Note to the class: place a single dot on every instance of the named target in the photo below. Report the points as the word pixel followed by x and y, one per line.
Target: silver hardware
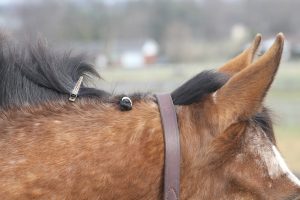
pixel 127 98
pixel 75 91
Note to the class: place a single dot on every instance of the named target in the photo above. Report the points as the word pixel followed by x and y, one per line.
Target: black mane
pixel 33 74
pixel 198 87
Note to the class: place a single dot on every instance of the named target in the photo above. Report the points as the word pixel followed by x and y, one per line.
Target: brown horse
pixel 51 148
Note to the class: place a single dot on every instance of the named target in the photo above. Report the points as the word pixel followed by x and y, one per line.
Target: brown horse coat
pixel 89 149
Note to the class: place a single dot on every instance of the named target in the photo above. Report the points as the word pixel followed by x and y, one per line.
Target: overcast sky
pixel 108 2
pixel 6 2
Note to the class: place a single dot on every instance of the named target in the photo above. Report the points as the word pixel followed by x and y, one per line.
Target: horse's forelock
pixel 195 89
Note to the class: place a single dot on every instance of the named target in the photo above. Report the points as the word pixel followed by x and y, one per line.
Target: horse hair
pixel 32 74
pixel 198 87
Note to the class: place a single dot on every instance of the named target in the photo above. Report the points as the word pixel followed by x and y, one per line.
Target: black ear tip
pixel 125 104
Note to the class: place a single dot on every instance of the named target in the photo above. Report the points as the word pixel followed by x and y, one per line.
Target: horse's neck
pixel 123 150
pixel 96 147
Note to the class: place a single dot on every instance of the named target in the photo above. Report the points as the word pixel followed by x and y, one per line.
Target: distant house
pixel 145 54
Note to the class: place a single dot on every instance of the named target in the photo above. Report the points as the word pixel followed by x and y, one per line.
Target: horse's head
pixel 88 149
pixel 228 138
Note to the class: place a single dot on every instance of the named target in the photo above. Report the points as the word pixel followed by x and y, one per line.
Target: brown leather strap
pixel 172 147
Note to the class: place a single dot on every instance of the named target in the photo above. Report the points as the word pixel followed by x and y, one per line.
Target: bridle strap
pixel 172 147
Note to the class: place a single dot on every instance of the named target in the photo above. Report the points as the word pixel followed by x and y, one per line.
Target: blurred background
pixel 155 45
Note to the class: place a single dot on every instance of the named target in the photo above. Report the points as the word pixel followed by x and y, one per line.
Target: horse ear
pixel 241 97
pixel 242 60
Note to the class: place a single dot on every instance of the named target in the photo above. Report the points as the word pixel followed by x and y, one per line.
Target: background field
pixel 283 99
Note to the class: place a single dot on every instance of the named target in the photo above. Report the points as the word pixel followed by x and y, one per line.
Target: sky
pixel 6 2
pixel 108 2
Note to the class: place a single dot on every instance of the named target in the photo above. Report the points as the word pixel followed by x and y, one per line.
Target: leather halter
pixel 172 147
